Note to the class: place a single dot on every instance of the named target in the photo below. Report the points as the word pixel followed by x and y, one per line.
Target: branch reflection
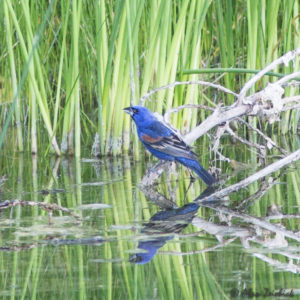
pixel 164 224
pixel 256 234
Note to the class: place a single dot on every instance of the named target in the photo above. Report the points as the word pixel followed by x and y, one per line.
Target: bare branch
pixel 46 206
pixel 216 142
pixel 265 185
pixel 257 222
pixel 177 253
pixel 219 116
pixel 291 107
pixel 154 173
pixel 285 59
pixel 198 82
pixel 290 267
pixel 258 175
pixel 267 103
pixel 291 99
pixel 178 108
pixel 270 142
pixel 261 149
pixel 286 78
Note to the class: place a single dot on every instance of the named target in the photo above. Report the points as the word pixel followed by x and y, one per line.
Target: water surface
pixel 124 246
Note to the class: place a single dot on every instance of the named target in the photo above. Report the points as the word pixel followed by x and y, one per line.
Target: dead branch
pixel 285 59
pixel 281 217
pixel 154 196
pixel 267 103
pixel 291 99
pixel 292 107
pixel 54 241
pixel 265 185
pixel 154 173
pixel 290 267
pixel 49 207
pixel 198 82
pixel 257 222
pixel 261 149
pixel 258 175
pixel 219 116
pixel 270 142
pixel 216 142
pixel 286 78
pixel 221 245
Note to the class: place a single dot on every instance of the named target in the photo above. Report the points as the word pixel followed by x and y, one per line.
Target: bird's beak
pixel 128 110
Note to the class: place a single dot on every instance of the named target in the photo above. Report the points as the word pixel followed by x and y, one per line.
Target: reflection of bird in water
pixel 163 222
pixel 165 143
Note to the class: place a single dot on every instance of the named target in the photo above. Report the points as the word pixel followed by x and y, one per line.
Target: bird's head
pixel 139 113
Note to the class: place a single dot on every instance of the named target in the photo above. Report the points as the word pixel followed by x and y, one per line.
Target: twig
pixel 286 78
pixel 278 264
pixel 285 59
pixel 270 142
pixel 261 149
pixel 178 108
pixel 219 116
pixel 256 221
pixel 46 206
pixel 223 244
pixel 199 82
pixel 264 187
pixel 216 142
pixel 281 217
pixel 292 83
pixel 258 175
pixel 296 106
pixel 291 99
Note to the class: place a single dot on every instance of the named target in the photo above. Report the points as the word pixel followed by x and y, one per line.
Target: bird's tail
pixel 195 166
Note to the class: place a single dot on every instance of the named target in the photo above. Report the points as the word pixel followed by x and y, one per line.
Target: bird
pixel 165 143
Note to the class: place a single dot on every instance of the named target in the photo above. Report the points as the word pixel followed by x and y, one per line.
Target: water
pixel 116 251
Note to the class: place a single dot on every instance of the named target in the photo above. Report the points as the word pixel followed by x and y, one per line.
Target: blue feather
pixel 164 143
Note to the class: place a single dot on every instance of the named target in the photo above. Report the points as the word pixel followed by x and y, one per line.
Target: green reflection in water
pixel 90 259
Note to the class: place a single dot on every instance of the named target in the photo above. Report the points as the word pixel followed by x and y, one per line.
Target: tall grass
pixel 91 60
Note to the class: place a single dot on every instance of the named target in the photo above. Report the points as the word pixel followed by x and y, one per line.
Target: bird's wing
pixel 170 144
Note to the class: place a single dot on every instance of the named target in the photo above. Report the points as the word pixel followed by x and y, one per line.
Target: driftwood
pixel 267 103
pixel 256 234
pixel 49 207
pixel 258 175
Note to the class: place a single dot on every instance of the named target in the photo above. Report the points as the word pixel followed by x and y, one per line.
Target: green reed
pixel 69 271
pixel 91 60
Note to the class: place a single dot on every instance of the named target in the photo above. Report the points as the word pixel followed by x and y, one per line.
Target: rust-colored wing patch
pixel 149 139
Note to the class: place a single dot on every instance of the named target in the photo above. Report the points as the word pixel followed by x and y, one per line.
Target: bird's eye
pixel 135 110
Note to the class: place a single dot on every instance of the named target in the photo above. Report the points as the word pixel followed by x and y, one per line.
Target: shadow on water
pixel 88 225
pixel 163 223
pixel 160 225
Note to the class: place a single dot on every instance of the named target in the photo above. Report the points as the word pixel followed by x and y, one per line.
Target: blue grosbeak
pixel 164 143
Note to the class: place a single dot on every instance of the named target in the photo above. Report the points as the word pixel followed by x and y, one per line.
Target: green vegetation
pixel 68 68
pixel 39 261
